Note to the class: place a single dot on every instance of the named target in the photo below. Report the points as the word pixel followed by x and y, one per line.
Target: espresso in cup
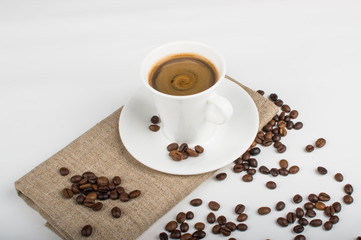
pixel 183 74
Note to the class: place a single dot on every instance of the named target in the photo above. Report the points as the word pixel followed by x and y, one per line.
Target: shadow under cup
pixel 183 118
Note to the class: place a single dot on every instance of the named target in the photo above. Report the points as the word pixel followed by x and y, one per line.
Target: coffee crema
pixel 183 74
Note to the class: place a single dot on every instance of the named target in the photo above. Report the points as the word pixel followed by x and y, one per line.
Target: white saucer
pixel 150 148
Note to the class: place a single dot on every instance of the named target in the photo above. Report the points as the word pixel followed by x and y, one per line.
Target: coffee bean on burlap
pixel 116 212
pixel 67 193
pixel 97 206
pixel 63 171
pixel 86 231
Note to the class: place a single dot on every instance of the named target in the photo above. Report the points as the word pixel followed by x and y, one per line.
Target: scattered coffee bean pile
pixel 155 120
pixel 321 142
pixel 178 153
pixel 91 188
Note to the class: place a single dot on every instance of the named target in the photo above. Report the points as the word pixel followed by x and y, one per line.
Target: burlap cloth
pixel 100 150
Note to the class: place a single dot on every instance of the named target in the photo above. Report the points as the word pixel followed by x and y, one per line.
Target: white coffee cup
pixel 191 119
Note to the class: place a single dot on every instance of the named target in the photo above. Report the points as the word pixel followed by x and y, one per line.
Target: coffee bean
pixel 199 234
pixel 155 120
pixel 348 189
pixel 310 213
pixel 213 205
pixel 176 155
pixel 267 143
pixel 316 223
pixel 263 210
pixel 253 162
pixel 238 168
pixel 293 114
pixel 263 170
pixel 294 169
pixel 297 198
pixel 282 116
pixel 85 186
pixel 75 188
pixel 103 181
pixel 211 218
pixel 328 226
pixel 289 125
pixel 242 227
pixel 183 147
pixel 103 189
pixel 347 199
pixel 113 195
pixel 86 231
pixel 163 236
pixel 216 229
pixel 172 146
pixel 97 206
pixel 247 178
pixel 86 191
pixel 309 148
pixel 320 142
pixel 322 170
pixel 279 102
pixel 187 236
pixel 83 181
pixel 221 220
pixel 251 171
pixel 286 108
pixel 111 186
pixel 261 92
pixel 91 196
pixel 80 199
pixel 329 211
pixel 313 198
pixel 274 172
pixel 277 144
pixel 231 225
pixel 199 149
pixel 171 226
pixel 176 234
pixel 116 212
pixel 67 193
pixel 320 206
pixel 300 237
pixel 255 151
pixel 189 215
pixel 184 227
pixel 154 128
pixel 282 222
pixel 273 97
pixel 239 209
pixel 291 217
pixel 303 221
pixel 298 125
pixel 221 176
pixel 323 197
pixel 181 217
pixel 298 229
pixel 75 178
pixel 134 194
pixel 336 206
pixel 124 197
pixel 282 148
pixel 283 172
pixel 93 179
pixel 338 177
pixel 199 226
pixel 283 163
pixel 299 212
pixel 242 217
pixel 63 171
pixel 334 219
pixel 271 185
pixel 191 152
pixel 276 138
pixel 280 206
pixel 196 202
pixel 89 203
pixel 283 132
pixel 267 128
pixel 309 206
pixel 119 190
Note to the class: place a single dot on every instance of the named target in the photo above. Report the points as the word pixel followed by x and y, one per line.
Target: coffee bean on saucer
pixel 63 171
pixel 116 212
pixel 171 226
pixel 348 189
pixel 313 198
pixel 242 227
pixel 280 206
pixel 191 152
pixel 183 147
pixel 300 237
pixel 175 234
pixel 176 155
pixel 316 222
pixel 297 198
pixel 338 177
pixel 172 146
pixel 309 148
pixel 242 217
pixel 283 172
pixel 199 149
pixel 261 92
pixel 294 169
pixel 154 128
pixel 214 205
pixel 282 222
pixel 254 151
pixel 277 144
pixel 155 120
pixel 86 231
pixel 189 215
pixel 271 185
pixel 247 178
pixel 163 236
pixel 324 197
pixel 263 210
pixel 196 202
pixel 181 217
pixel 328 225
pixel 298 125
pixel 347 199
pixel 336 206
pixel 273 97
pixel 291 217
pixel 221 176
pixel 67 193
pixel 211 218
pixel 320 142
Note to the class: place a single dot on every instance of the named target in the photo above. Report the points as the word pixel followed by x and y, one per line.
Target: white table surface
pixel 66 65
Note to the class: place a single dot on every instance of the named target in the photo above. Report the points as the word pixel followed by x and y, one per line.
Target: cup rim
pixel 218 82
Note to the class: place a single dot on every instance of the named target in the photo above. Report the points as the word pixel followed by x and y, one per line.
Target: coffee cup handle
pixel 219 109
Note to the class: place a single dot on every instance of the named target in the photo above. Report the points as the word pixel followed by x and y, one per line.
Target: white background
pixel 66 65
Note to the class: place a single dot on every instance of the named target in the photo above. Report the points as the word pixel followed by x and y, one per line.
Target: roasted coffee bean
pixel 171 226
pixel 221 176
pixel 293 114
pixel 268 135
pixel 221 220
pixel 246 156
pixel 251 171
pixel 242 217
pixel 83 181
pixel 199 149
pixel 231 225
pixel 329 211
pixel 80 199
pixel 181 217
pixel 247 178
pixel 113 195
pixel 119 190
pixel 267 128
pixel 91 196
pixel 261 92
pixel 103 181
pixel 172 146
pixel 281 124
pixel 124 197
pixel 89 203
pixel 299 212
pixel 97 206
pixel 187 236
pixel 303 221
pixel 95 187
pixel 93 179
pixel 283 172
pixel 176 234
pixel 316 222
pixel 239 209
pixel 189 215
pixel 163 236
pixel 183 147
pixel 282 148
pixel 185 155
pixel 310 213
pixel 283 132
pixel 274 172
pixel 134 194
pixel 322 170
pixel 176 155
pixel 291 217
pixel 338 177
pixel 267 143
pixel 242 227
pixel 277 144
pixel 320 206
pixel 238 161
pixel 334 219
pixel 283 163
pixel 75 178
pixel 88 174
pixel 263 210
pixel 282 116
pixel 347 199
pixel 309 148
pixel 286 108
pixel 155 119
pixel 75 188
pixel 273 97
pixel 84 186
pixel 255 151
pixel 282 222
pixel 289 125
pixel 67 193
pixel 196 202
pixel 308 206
pixel 211 218
pixel 313 198
pixel 271 185
pixel 297 198
pixel 328 226
pixel 336 206
pixel 263 170
pixel 294 169
pixel 279 102
pixel 298 229
pixel 323 197
pixel 238 168
pixel 103 189
pixel 103 196
pixel 199 226
pixel 199 234
pixel 154 128
pixel 216 229
pixel 63 171
pixel 300 237
pixel 276 138
pixel 184 227
pixel 298 125
pixel 348 189
pixel 116 180
pixel 253 162
pixel 191 152
pixel 287 118
pixel 86 191
pixel 280 206
pixel 320 142
pixel 86 231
